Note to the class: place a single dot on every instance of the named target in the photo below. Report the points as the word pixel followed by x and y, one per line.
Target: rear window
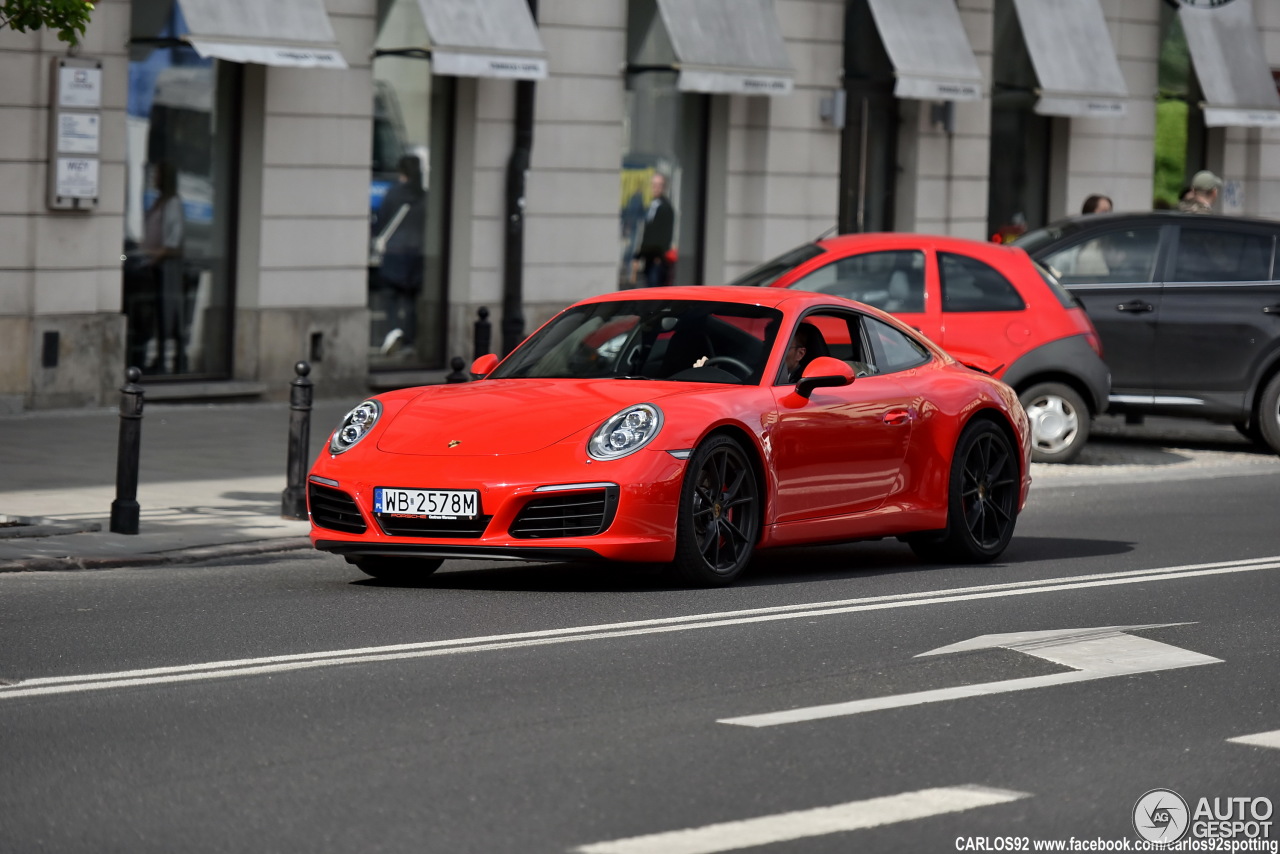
pixel 768 272
pixel 1215 255
pixel 972 285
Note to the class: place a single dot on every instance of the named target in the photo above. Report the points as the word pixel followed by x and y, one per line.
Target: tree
pixel 68 17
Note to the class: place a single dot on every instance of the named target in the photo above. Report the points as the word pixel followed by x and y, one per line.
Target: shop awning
pixel 1227 54
pixel 731 46
pixel 931 54
pixel 1074 58
pixel 484 38
pixel 279 32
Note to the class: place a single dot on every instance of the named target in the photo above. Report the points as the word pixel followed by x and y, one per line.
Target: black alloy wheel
pixel 397 570
pixel 719 514
pixel 982 499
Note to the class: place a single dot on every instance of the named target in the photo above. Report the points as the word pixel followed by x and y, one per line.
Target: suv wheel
pixel 1267 423
pixel 1059 422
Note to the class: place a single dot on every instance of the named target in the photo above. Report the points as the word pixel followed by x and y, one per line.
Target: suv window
pixel 1125 255
pixel 1214 255
pixel 972 285
pixel 891 280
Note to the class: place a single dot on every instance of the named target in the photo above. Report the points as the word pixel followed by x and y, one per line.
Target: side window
pixel 1124 256
pixel 1214 255
pixel 835 334
pixel 894 350
pixel 972 285
pixel 891 280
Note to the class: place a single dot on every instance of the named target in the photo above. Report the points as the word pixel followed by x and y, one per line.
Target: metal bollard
pixel 457 375
pixel 125 510
pixel 293 501
pixel 483 333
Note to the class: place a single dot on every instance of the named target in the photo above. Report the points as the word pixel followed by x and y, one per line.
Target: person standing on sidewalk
pixel 1204 193
pixel 659 231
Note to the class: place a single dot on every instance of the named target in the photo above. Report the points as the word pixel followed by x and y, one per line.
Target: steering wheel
pixel 743 369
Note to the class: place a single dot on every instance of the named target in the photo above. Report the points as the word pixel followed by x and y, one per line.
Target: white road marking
pixel 299 661
pixel 1261 739
pixel 783 827
pixel 1094 653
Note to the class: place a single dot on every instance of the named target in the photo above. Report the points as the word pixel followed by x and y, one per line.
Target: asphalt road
pixel 290 705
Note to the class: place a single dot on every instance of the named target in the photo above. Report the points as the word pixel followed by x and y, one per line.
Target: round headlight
pixel 626 432
pixel 355 425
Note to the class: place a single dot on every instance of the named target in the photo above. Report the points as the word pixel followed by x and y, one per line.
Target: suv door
pixel 1219 315
pixel 1114 273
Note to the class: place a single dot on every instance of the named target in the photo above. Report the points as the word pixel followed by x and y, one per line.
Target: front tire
pixel 1059 422
pixel 397 570
pixel 1267 423
pixel 719 515
pixel 982 500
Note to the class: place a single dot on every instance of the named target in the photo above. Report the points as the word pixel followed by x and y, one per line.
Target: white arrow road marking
pixel 1094 653
pixel 765 830
pixel 1261 739
pixel 41 686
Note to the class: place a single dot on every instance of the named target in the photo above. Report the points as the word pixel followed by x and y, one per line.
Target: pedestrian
pixel 164 230
pixel 1204 193
pixel 1097 203
pixel 659 232
pixel 398 246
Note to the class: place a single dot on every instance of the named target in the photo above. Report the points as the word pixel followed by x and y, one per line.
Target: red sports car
pixel 689 426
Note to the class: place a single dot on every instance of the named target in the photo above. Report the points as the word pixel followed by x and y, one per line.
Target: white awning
pixel 1074 58
pixel 482 38
pixel 931 54
pixel 1231 65
pixel 280 32
pixel 728 46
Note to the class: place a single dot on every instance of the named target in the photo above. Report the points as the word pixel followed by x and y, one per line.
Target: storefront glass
pixel 868 160
pixel 182 131
pixel 408 197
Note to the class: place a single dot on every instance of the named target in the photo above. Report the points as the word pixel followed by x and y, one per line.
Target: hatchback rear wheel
pixel 1059 422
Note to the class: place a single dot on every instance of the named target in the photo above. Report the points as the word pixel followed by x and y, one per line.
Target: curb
pixel 177 556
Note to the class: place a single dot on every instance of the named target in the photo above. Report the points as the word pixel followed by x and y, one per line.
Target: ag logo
pixel 1161 815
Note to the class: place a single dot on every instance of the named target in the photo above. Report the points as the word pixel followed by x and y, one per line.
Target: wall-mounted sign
pixel 78 133
pixel 75 133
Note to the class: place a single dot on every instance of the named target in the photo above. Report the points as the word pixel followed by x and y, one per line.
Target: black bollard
pixel 483 332
pixel 457 375
pixel 293 501
pixel 124 510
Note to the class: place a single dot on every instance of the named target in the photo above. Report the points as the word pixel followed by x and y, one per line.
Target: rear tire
pixel 719 515
pixel 1060 422
pixel 982 500
pixel 397 570
pixel 1267 422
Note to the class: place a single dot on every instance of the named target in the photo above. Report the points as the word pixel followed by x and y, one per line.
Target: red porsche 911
pixel 688 426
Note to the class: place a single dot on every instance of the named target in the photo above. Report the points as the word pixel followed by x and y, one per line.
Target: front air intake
pixel 570 514
pixel 334 509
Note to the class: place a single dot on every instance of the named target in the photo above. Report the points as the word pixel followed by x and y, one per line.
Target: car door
pixel 840 451
pixel 1114 273
pixel 1219 313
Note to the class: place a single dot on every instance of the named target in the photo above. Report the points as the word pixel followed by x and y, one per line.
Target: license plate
pixel 431 503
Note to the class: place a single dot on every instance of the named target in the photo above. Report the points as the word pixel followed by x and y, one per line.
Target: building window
pixel 181 147
pixel 411 162
pixel 1018 189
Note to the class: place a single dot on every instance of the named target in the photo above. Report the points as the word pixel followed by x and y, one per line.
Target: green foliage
pixel 68 17
pixel 1171 150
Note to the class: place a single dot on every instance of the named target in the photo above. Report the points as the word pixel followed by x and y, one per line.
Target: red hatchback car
pixel 989 306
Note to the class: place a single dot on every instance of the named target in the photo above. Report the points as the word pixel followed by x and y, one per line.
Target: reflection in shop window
pixel 408 194
pixel 180 144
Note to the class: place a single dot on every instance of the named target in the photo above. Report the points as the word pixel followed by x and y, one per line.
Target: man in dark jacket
pixel 659 230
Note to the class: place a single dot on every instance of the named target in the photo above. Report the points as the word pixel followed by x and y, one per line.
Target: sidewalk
pixel 209 484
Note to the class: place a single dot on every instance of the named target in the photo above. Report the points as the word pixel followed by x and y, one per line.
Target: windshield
pixel 1037 239
pixel 768 272
pixel 681 340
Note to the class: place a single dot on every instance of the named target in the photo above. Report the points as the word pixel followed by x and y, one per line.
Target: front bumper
pixel 554 504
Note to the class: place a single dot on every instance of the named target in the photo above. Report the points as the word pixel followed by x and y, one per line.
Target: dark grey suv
pixel 1188 309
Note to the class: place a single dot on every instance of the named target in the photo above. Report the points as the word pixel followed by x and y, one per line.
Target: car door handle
pixel 894 417
pixel 1271 309
pixel 1136 305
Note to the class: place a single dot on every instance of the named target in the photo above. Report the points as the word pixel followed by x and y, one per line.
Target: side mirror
pixel 823 371
pixel 485 364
